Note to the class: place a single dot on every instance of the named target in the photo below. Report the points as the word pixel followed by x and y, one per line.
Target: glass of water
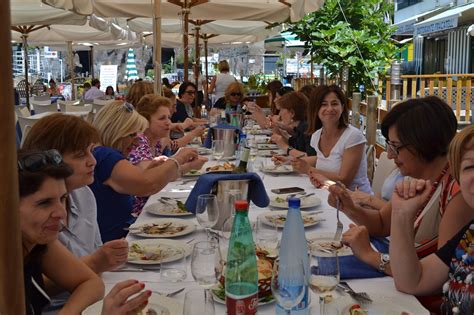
pixel 206 263
pixel 217 149
pixel 174 271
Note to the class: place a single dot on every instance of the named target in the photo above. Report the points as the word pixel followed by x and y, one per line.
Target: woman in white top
pixel 340 147
pixel 222 80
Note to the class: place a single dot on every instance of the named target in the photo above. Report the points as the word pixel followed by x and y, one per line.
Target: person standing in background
pixel 222 80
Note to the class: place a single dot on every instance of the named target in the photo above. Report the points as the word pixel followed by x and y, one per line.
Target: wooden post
pixel 371 119
pixel 197 107
pixel 11 263
pixel 356 98
pixel 157 46
pixel 185 40
pixel 91 62
pixel 207 71
pixel 24 39
pixel 72 73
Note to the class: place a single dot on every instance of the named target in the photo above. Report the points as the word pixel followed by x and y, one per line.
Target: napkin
pixel 208 140
pixel 205 182
pixel 351 267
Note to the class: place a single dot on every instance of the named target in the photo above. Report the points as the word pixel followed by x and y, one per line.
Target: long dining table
pixel 382 290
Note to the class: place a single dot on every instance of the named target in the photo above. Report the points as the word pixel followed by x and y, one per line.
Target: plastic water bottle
pixel 241 276
pixel 203 111
pixel 242 144
pixel 293 249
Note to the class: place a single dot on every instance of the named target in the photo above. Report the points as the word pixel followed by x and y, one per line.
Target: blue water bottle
pixel 293 249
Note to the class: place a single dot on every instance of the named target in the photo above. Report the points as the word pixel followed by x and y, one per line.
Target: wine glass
pixel 324 272
pixel 218 149
pixel 207 211
pixel 197 302
pixel 206 263
pixel 288 284
pixel 266 235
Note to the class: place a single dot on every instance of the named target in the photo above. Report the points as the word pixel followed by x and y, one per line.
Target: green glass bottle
pixel 243 161
pixel 241 276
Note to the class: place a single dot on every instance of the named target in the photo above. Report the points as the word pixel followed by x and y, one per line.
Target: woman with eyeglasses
pixel 451 269
pixel 48 265
pixel 149 144
pixel 184 106
pixel 117 180
pixel 418 133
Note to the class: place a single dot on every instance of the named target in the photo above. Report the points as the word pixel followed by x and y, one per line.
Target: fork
pixel 170 294
pixel 338 235
pixel 361 297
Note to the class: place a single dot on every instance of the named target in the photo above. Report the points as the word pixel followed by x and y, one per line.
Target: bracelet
pixel 178 166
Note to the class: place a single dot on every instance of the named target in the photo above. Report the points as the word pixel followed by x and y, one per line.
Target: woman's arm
pixel 367 200
pixel 188 137
pixel 68 272
pixel 107 257
pixel 213 85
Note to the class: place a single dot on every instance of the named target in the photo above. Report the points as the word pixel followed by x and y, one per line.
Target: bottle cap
pixel 241 205
pixel 294 202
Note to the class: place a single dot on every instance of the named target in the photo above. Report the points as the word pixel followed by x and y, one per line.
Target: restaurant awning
pixel 407 26
pixel 446 20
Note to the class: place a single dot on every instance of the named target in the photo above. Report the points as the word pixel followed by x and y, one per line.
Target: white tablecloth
pixel 379 287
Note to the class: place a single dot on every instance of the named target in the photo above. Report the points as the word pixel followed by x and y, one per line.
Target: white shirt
pixel 222 82
pixel 93 93
pixel 349 138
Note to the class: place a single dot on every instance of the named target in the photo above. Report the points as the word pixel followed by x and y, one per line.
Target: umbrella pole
pixel 185 40
pixel 24 39
pixel 91 61
pixel 72 73
pixel 11 265
pixel 196 66
pixel 207 72
pixel 157 46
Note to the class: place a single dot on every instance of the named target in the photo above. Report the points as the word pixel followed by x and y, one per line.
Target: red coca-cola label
pixel 241 305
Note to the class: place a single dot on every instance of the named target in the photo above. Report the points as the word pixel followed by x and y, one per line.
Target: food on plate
pixel 279 219
pixel 334 245
pixel 150 253
pixel 219 168
pixel 356 309
pixel 280 200
pixel 193 172
pixel 168 228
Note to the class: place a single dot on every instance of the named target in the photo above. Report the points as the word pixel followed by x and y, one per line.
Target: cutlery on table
pixel 170 294
pixel 307 195
pixel 296 194
pixel 129 269
pixel 361 297
pixel 338 235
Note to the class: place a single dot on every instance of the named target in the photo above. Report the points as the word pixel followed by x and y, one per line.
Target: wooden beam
pixel 285 3
pixel 11 263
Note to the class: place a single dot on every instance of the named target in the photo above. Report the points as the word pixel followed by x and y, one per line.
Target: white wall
pixel 426 5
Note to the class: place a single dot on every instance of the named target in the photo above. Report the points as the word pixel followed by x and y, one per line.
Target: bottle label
pixel 244 156
pixel 241 305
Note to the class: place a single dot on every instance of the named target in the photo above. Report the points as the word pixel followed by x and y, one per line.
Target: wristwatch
pixel 384 261
pixel 289 149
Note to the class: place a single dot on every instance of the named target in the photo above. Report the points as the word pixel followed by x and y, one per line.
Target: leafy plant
pixel 335 43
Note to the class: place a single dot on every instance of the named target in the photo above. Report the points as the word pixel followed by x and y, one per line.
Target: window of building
pixel 401 4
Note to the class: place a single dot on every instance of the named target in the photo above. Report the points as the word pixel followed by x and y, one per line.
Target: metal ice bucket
pixel 229 136
pixel 225 190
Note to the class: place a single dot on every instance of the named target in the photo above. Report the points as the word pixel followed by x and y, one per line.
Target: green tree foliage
pixel 333 41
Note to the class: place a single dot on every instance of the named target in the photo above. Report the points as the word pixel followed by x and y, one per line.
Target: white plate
pixel 327 238
pixel 185 227
pixel 269 153
pixel 165 305
pixel 308 202
pixel 204 151
pixel 151 244
pixel 382 305
pixel 308 217
pixel 221 301
pixel 161 209
pixel 263 141
pixel 281 169
pixel 267 146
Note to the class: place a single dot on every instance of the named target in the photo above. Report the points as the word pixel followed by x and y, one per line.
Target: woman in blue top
pixel 116 180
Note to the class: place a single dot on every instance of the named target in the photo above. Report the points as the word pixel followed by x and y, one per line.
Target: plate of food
pixel 225 167
pixel 325 241
pixel 382 305
pixel 193 173
pixel 170 208
pixel 204 151
pixel 267 146
pixel 269 153
pixel 158 228
pixel 157 304
pixel 277 169
pixel 264 268
pixel 156 251
pixel 278 218
pixel 263 141
pixel 307 202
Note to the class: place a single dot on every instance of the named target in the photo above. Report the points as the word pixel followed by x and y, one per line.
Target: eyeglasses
pixel 37 161
pixel 393 147
pixel 128 107
pixel 235 94
pixel 190 92
pixel 132 135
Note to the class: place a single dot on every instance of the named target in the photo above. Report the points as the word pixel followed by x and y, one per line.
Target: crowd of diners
pixel 81 185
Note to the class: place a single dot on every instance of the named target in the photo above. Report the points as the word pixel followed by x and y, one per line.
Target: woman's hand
pixel 318 180
pixel 409 196
pixel 195 164
pixel 185 155
pixel 198 131
pixel 301 166
pixel 117 302
pixel 339 191
pixel 253 107
pixel 279 159
pixel 357 238
pixel 187 123
pixel 111 255
pixel 178 127
pixel 279 140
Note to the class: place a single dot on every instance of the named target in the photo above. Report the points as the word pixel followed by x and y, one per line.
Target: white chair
pixel 62 104
pixel 98 104
pixel 44 106
pixel 66 108
pixel 22 111
pixel 25 124
pixel 384 167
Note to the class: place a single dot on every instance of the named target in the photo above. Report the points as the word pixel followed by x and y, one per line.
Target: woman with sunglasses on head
pixel 451 269
pixel 420 151
pixel 116 180
pixel 149 144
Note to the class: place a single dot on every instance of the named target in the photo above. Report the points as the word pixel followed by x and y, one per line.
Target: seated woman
pixel 43 196
pixel 185 104
pixel 293 108
pixel 148 145
pixel 450 269
pixel 116 180
pixel 409 133
pixel 109 93
pixel 137 90
pixel 340 147
pixel 53 89
pixel 232 99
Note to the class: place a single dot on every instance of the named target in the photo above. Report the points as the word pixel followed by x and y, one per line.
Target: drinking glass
pixel 217 149
pixel 266 236
pixel 288 284
pixel 207 211
pixel 206 263
pixel 174 271
pixel 198 302
pixel 324 272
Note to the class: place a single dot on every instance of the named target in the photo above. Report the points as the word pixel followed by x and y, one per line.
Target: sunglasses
pixel 128 107
pixel 235 94
pixel 37 161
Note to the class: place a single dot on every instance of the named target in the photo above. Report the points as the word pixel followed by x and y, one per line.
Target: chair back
pixel 25 122
pixel 68 108
pixel 22 111
pixel 42 107
pixel 98 101
pixel 96 107
pixel 384 167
